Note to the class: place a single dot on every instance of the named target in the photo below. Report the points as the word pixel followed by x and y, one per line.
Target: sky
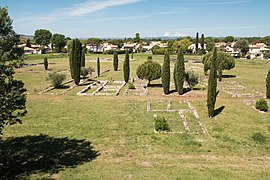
pixel 150 18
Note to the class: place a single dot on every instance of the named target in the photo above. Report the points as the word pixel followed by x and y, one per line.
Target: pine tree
pixel 12 91
pixel 268 85
pixel 166 73
pixel 179 72
pixel 98 67
pixel 75 60
pixel 83 56
pixel 197 42
pixel 115 61
pixel 126 68
pixel 46 63
pixel 212 85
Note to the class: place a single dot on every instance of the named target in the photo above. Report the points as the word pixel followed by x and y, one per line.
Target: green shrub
pixel 131 85
pixel 161 124
pixel 56 79
pixel 192 79
pixel 262 105
pixel 159 51
pixel 259 137
pixel 84 72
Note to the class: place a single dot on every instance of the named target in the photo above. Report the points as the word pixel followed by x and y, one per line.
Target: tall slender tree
pixel 126 67
pixel 166 74
pixel 179 72
pixel 268 85
pixel 83 56
pixel 98 67
pixel 45 63
pixel 202 43
pixel 75 60
pixel 197 43
pixel 212 85
pixel 115 61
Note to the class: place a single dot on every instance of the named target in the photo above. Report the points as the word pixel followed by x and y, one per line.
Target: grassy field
pixel 72 137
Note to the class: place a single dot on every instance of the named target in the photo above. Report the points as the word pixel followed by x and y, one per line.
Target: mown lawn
pixel 72 137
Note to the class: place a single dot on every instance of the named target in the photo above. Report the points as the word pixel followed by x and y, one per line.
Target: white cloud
pixel 93 6
pixel 88 7
pixel 224 2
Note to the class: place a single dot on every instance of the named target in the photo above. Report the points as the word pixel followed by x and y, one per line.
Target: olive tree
pixel 224 62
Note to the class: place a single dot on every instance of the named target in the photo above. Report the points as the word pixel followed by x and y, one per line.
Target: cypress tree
pixel 98 67
pixel 126 68
pixel 46 63
pixel 75 60
pixel 202 43
pixel 220 72
pixel 179 72
pixel 268 85
pixel 166 73
pixel 197 42
pixel 212 85
pixel 115 61
pixel 71 56
pixel 83 56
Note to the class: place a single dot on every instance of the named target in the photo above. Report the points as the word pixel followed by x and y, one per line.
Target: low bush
pixel 56 79
pixel 85 71
pixel 262 105
pixel 192 79
pixel 259 137
pixel 161 124
pixel 131 85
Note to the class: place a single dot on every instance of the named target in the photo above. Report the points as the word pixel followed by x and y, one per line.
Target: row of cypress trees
pixel 179 73
pixel 197 43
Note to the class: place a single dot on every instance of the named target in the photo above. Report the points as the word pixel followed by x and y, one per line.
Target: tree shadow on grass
pixel 218 111
pixel 22 156
pixel 228 76
pixel 63 87
pixel 154 85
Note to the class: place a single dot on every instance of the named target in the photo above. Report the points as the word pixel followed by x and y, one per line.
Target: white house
pixel 95 48
pixel 108 47
pixel 234 53
pixel 257 50
pixel 129 46
pixel 193 47
pixel 28 50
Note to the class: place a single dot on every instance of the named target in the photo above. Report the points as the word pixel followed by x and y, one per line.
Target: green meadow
pixel 92 137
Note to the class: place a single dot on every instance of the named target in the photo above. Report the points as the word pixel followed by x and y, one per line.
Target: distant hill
pixel 26 36
pixel 163 37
